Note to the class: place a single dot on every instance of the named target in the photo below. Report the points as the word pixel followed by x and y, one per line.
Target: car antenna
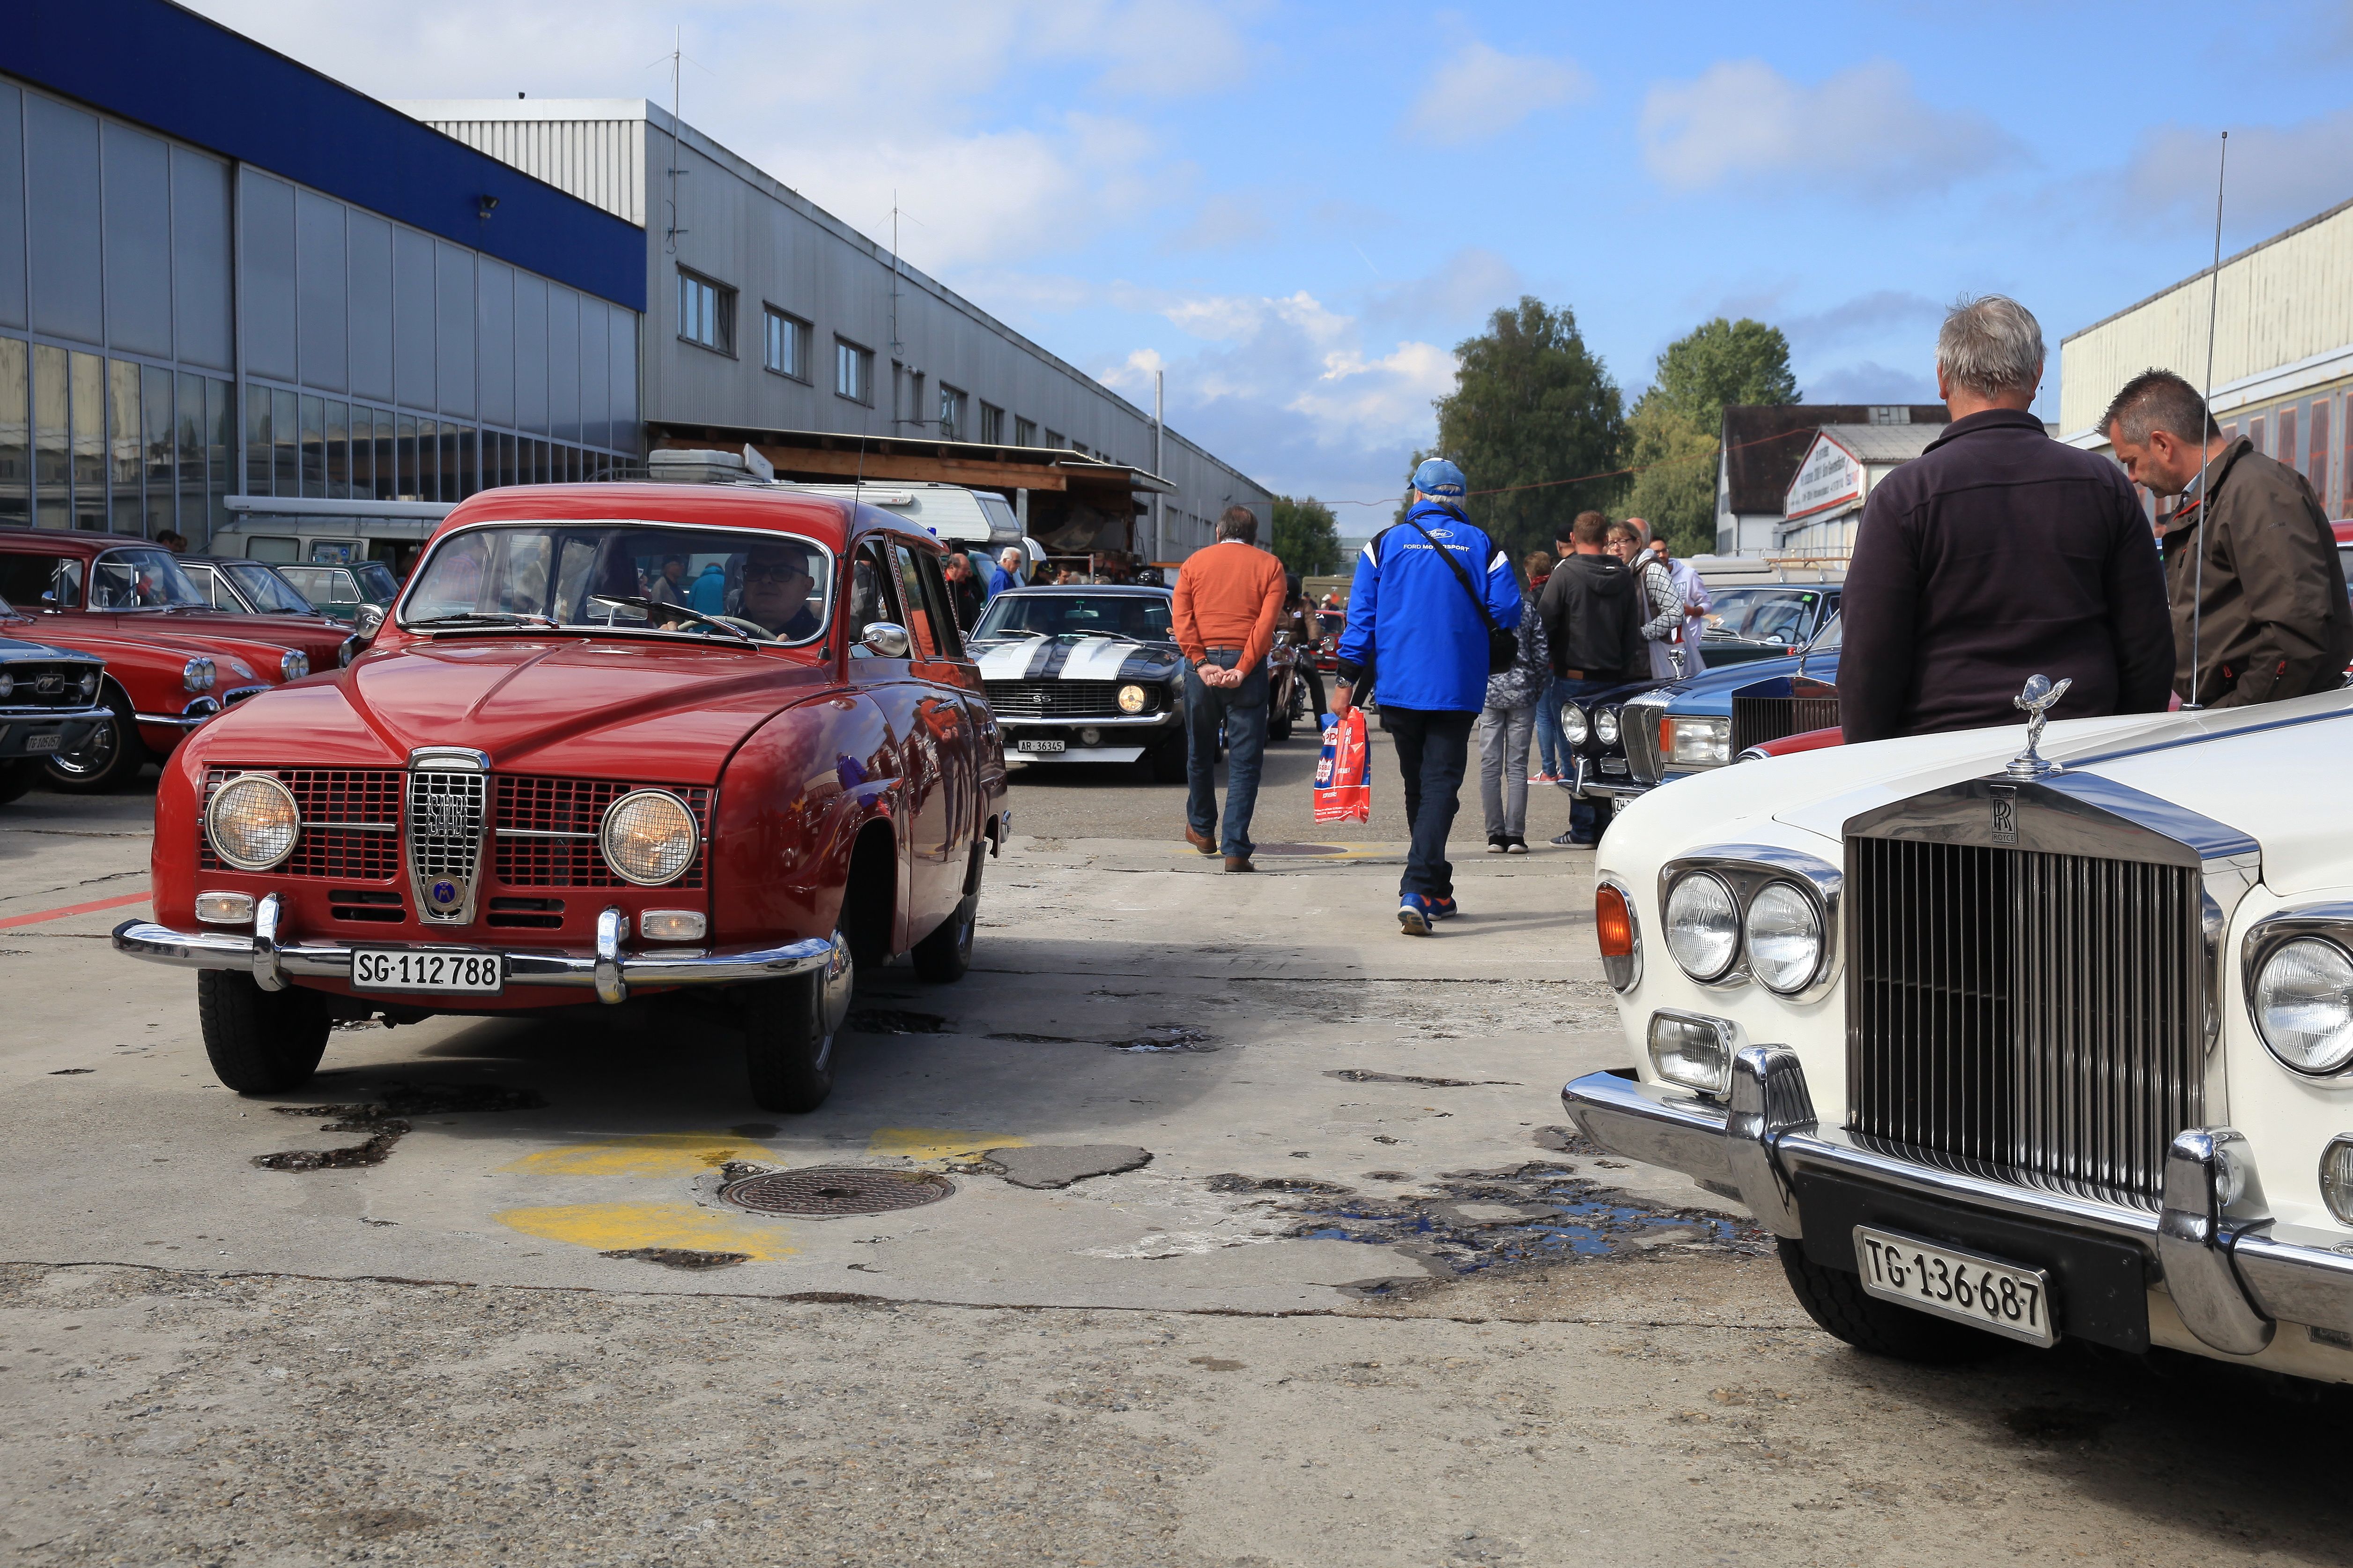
pixel 2206 435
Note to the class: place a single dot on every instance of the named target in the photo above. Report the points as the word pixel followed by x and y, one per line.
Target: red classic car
pixel 549 780
pixel 172 660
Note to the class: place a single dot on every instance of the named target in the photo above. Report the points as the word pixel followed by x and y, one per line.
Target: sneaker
pixel 1443 909
pixel 1570 840
pixel 1515 845
pixel 1413 915
pixel 1547 777
pixel 1497 843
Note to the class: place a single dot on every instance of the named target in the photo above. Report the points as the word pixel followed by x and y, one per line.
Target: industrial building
pixel 2282 314
pixel 771 321
pixel 1762 449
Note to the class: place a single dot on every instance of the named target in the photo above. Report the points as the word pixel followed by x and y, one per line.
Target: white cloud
pixel 1863 132
pixel 2279 174
pixel 1482 92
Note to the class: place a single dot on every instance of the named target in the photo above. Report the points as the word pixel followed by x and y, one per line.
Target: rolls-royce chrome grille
pixel 449 797
pixel 1639 726
pixel 2034 1015
pixel 1755 720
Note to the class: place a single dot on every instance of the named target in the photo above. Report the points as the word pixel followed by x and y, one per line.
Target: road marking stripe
pixel 33 919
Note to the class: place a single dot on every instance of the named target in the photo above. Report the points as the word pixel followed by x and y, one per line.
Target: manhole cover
pixel 837 1189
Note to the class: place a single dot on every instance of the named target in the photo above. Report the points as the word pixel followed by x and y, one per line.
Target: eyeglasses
pixel 779 572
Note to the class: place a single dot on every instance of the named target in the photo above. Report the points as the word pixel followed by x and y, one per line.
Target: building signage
pixel 1830 477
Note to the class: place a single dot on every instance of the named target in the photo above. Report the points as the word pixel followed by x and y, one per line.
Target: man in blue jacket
pixel 1414 626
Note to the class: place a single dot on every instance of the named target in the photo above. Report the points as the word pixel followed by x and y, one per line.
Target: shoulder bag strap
pixel 1460 576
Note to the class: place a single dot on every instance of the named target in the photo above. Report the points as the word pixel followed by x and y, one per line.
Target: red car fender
pixel 173 861
pixel 1787 745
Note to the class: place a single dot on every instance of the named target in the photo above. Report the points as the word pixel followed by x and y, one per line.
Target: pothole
pixel 896 1021
pixel 1159 1037
pixel 387 1121
pixel 679 1257
pixel 821 1190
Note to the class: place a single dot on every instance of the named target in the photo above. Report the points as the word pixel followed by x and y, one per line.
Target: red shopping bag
pixel 1344 775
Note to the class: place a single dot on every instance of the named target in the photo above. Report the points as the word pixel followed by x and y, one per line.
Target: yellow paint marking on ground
pixel 621 1227
pixel 937 1142
pixel 643 1155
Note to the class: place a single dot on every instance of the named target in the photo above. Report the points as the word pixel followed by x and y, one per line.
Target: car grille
pixel 547 831
pixel 1638 725
pixel 1755 720
pixel 1055 699
pixel 230 699
pixel 46 686
pixel 446 808
pixel 351 821
pixel 2030 1016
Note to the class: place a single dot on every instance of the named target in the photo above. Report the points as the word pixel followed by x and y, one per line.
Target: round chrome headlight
pixel 1784 938
pixel 196 675
pixel 649 837
pixel 1572 724
pixel 1605 726
pixel 252 821
pixel 1132 699
pixel 294 665
pixel 1702 926
pixel 7 684
pixel 2304 1006
pixel 89 686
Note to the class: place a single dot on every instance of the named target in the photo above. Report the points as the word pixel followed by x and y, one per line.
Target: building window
pixel 706 312
pixel 2255 435
pixel 951 403
pixel 1024 432
pixel 2317 472
pixel 853 372
pixel 787 347
pixel 992 425
pixel 1054 438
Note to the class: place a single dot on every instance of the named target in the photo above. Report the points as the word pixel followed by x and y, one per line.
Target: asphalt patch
pixel 385 1121
pixel 71 1072
pixel 1158 1039
pixel 2056 1424
pixel 1363 1075
pixel 679 1257
pixel 896 1021
pixel 1046 1167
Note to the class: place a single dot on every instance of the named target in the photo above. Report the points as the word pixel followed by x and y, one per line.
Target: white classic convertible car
pixel 2000 1045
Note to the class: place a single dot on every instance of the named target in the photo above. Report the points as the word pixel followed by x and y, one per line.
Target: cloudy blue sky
pixel 1298 210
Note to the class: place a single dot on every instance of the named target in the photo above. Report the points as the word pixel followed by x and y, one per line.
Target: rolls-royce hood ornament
pixel 2037 701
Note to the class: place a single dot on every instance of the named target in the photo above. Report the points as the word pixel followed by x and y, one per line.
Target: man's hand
pixel 1344 697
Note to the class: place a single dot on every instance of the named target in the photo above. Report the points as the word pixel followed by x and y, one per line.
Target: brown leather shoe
pixel 1239 863
pixel 1200 841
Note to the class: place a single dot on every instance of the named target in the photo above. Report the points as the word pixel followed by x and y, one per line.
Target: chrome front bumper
pixel 2233 1273
pixel 1590 783
pixel 271 959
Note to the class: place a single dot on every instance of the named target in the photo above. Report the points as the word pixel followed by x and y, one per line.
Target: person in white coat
pixel 1697 603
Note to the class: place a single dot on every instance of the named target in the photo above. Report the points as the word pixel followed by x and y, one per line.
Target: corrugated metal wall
pixel 602 162
pixel 2285 302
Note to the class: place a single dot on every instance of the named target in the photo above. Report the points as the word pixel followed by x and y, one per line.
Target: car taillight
pixel 1613 922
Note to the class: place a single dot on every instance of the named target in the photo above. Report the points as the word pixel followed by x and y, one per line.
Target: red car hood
pixel 655 712
pixel 318 638
pixel 108 641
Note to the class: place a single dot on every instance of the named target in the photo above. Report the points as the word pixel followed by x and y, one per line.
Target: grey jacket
pixel 1523 683
pixel 2275 623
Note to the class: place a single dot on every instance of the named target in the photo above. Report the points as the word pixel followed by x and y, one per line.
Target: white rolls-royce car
pixel 2005 1046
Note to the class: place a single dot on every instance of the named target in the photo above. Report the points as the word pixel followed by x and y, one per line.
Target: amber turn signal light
pixel 1614 922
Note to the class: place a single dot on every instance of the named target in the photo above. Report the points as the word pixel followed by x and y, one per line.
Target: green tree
pixel 1306 535
pixel 1532 407
pixel 1677 424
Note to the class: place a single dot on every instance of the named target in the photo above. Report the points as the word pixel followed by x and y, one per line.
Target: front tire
pixel 259 1042
pixel 790 1029
pixel 109 759
pixel 944 957
pixel 1836 1301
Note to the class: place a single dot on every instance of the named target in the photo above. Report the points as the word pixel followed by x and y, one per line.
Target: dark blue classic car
pixel 1662 733
pixel 48 706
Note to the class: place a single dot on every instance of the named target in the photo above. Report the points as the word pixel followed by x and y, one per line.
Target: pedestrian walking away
pixel 1506 725
pixel 2267 601
pixel 1593 611
pixel 1429 593
pixel 1997 555
pixel 1227 599
pixel 1552 747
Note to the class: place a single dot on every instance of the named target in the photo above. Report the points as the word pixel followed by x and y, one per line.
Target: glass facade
pixel 379 363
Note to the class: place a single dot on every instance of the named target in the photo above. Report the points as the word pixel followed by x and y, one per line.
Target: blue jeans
pixel 1433 749
pixel 1584 816
pixel 1242 709
pixel 1552 746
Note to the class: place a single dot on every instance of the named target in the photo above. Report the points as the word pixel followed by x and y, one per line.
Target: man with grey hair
pixel 1998 554
pixel 2274 622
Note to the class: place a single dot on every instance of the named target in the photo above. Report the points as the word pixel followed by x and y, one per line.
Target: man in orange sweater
pixel 1227 597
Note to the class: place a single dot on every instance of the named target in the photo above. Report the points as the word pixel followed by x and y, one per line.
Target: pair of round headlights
pixel 1780 931
pixel 1602 726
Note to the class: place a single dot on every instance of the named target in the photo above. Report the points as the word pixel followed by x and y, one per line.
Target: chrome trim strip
pixel 37 715
pixel 1081 722
pixel 176 720
pixel 332 960
pixel 541 833
pixel 611 989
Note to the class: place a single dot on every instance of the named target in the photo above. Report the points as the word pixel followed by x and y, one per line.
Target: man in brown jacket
pixel 1227 597
pixel 2274 623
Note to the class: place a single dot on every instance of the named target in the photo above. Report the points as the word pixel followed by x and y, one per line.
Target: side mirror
pixel 367 621
pixel 887 640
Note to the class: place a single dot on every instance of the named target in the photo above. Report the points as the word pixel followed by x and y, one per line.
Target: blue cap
pixel 1437 477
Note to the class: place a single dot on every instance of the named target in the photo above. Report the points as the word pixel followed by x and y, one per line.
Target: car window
pixel 933 625
pixel 1145 616
pixel 142 577
pixel 32 580
pixel 585 574
pixel 1766 615
pixel 873 595
pixel 377 584
pixel 270 592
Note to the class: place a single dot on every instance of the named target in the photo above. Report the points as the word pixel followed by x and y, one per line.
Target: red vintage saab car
pixel 172 660
pixel 550 780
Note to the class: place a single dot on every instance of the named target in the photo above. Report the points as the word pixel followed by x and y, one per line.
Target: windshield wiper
pixel 655 606
pixel 487 618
